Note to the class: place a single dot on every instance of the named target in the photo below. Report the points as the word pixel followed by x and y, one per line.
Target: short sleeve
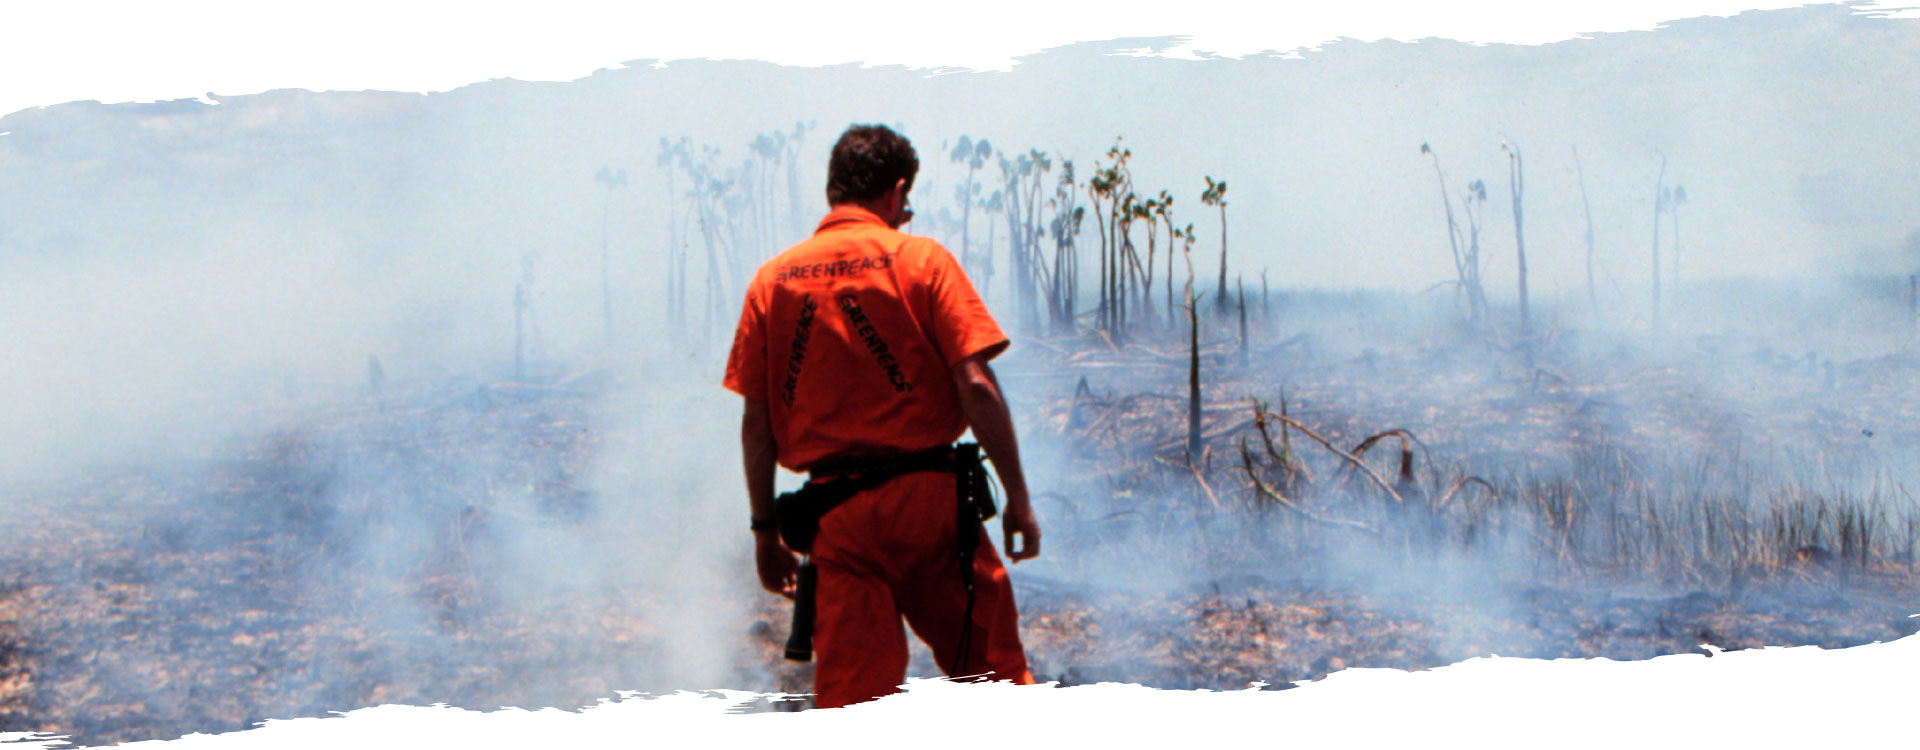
pixel 747 363
pixel 960 327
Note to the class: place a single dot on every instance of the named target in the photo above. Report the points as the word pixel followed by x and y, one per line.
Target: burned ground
pixel 375 552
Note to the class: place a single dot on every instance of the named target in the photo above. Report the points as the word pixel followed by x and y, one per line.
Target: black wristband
pixel 767 525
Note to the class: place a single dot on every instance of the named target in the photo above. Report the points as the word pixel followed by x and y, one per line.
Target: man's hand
pixel 778 565
pixel 1018 519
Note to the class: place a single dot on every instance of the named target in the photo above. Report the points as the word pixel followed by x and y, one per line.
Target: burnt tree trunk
pixel 1517 182
pixel 1242 289
pixel 1193 376
pixel 1593 297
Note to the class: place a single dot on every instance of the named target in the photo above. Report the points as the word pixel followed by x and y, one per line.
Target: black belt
pixel 886 466
pixel 837 480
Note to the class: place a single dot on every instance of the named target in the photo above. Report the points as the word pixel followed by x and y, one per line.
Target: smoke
pixel 294 318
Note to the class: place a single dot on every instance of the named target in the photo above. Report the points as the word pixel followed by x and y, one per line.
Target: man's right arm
pixel 986 410
pixel 757 446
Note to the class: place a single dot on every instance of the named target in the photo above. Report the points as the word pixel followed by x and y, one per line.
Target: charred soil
pixel 1466 503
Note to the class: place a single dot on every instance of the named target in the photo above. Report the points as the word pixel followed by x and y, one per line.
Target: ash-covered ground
pixel 484 543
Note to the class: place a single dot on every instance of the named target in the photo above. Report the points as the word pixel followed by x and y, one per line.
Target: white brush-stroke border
pixel 127 52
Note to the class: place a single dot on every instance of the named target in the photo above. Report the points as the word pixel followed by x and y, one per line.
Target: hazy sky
pixel 236 242
pixel 1790 130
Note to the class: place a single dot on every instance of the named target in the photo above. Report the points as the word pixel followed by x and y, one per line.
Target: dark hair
pixel 866 161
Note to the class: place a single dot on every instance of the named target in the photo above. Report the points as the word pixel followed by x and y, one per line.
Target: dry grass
pixel 1553 462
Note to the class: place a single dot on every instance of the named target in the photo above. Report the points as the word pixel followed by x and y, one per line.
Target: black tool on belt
pixel 836 481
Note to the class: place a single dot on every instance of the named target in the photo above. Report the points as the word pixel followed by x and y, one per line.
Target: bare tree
pixel 673 156
pixel 1466 263
pixel 1593 297
pixel 1659 204
pixel 1473 203
pixel 1240 286
pixel 611 178
pixel 1517 186
pixel 1678 198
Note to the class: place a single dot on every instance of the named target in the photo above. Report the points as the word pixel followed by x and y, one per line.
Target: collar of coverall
pixel 847 212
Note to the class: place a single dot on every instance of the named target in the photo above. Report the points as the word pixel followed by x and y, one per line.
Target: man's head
pixel 869 161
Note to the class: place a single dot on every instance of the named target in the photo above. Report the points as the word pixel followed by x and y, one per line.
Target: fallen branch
pixel 1462 482
pixel 1304 430
pixel 1204 437
pixel 1407 439
pixel 1205 453
pixel 1246 464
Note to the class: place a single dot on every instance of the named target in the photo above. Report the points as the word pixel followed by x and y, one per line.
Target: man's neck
pixel 876 207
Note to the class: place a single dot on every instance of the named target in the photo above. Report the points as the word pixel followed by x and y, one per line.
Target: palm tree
pixel 1143 211
pixel 975 156
pixel 798 221
pixel 1216 195
pixel 1023 222
pixel 674 155
pixel 1065 226
pixel 611 178
pixel 1023 178
pixel 1173 235
pixel 993 204
pixel 1100 192
pixel 1154 209
pixel 768 150
pixel 1193 355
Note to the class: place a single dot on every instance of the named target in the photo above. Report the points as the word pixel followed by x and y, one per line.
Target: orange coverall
pixel 850 337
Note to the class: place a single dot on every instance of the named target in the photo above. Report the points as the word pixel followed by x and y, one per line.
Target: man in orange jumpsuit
pixel 859 345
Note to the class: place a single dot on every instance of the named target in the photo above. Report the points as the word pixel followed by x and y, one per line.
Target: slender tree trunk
pixel 606 283
pixel 1171 236
pixel 1119 276
pixel 1453 242
pixel 672 242
pixel 1674 213
pixel 714 291
pixel 1266 306
pixel 1222 291
pixel 1658 184
pixel 1193 375
pixel 1146 290
pixel 1518 183
pixel 1593 296
pixel 966 221
pixel 1105 309
pixel 519 332
pixel 1016 264
pixel 1242 295
pixel 986 256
